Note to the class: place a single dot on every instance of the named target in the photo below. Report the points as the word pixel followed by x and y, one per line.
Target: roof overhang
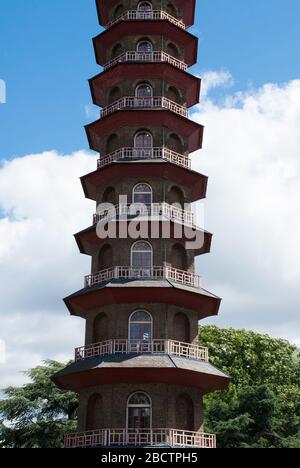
pixel 191 130
pixel 104 41
pixel 110 78
pixel 89 243
pixel 143 370
pixel 152 292
pixel 186 6
pixel 196 182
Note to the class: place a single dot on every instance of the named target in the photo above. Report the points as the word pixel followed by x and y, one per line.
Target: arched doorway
pixel 142 194
pixel 94 412
pixel 145 7
pixel 140 331
pixel 145 47
pixel 185 413
pixel 142 259
pixel 139 412
pixel 181 328
pixel 101 328
pixel 143 95
pixel 143 145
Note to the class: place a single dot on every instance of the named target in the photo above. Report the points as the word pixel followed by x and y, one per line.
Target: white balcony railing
pixel 158 103
pixel 135 15
pixel 140 437
pixel 151 273
pixel 175 348
pixel 145 153
pixel 150 57
pixel 173 213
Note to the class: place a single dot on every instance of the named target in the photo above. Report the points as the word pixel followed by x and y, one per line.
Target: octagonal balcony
pixel 136 15
pixel 173 213
pixel 149 273
pixel 124 347
pixel 148 57
pixel 141 438
pixel 157 102
pixel 136 154
pixel 187 7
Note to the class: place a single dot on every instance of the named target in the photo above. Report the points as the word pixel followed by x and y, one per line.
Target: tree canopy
pixel 38 414
pixel 262 407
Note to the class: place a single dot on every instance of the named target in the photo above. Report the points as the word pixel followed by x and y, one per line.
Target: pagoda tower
pixel 142 375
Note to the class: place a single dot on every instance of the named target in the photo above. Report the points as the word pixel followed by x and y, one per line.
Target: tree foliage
pixel 38 414
pixel 262 407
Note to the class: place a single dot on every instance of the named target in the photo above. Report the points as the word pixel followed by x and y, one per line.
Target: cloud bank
pixel 251 153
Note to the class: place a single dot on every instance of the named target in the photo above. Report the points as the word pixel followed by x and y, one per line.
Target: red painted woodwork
pixel 125 29
pixel 109 174
pixel 187 7
pixel 87 240
pixel 110 78
pixel 171 376
pixel 139 118
pixel 189 298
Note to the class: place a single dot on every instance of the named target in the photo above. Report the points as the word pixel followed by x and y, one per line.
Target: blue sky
pixel 46 58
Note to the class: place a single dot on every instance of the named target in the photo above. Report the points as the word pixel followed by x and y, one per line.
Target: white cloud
pixel 251 153
pixel 91 111
pixel 42 205
pixel 214 79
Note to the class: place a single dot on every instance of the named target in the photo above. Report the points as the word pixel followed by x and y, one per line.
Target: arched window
pixel 142 194
pixel 145 7
pixel 144 91
pixel 140 332
pixel 142 257
pixel 139 412
pixel 145 47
